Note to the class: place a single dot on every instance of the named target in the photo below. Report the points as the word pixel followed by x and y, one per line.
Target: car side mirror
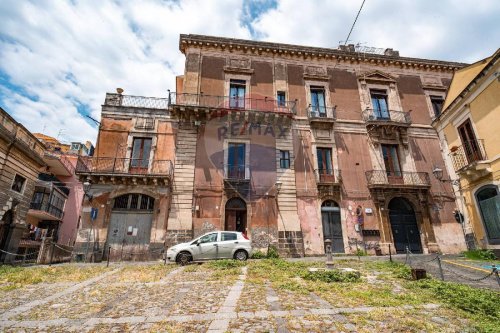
pixel 198 243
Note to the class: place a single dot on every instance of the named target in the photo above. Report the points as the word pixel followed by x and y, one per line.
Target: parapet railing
pixel 123 166
pixel 468 153
pixel 373 115
pixel 399 178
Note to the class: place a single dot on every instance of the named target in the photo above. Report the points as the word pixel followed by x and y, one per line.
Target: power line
pixel 354 23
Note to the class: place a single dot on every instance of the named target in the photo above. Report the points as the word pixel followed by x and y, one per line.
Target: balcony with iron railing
pixel 467 154
pixel 113 99
pixel 264 104
pixel 372 116
pixel 45 211
pixel 327 176
pixel 398 179
pixel 111 166
pixel 321 113
pixel 236 172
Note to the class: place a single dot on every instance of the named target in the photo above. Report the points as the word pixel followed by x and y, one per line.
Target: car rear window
pixel 228 236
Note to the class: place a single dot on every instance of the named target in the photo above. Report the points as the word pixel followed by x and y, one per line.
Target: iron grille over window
pixel 134 201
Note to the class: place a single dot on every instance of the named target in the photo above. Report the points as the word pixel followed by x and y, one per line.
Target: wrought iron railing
pixel 236 172
pixel 327 176
pixel 123 166
pixel 371 115
pixel 136 101
pixel 321 112
pixel 49 208
pixel 466 154
pixel 233 102
pixel 399 178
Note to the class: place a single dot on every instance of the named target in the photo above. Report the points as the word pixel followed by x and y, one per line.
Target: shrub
pixel 258 255
pixel 332 276
pixel 480 254
pixel 360 253
pixel 272 252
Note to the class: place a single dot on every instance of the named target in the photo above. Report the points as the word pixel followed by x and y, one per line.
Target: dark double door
pixel 405 231
pixel 332 228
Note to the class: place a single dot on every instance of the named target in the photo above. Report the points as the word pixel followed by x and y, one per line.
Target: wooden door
pixel 470 144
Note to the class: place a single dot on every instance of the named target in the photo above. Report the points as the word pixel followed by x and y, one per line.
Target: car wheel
pixel 241 255
pixel 183 258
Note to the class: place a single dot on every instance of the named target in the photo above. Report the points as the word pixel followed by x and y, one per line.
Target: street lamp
pixel 86 189
pixel 277 186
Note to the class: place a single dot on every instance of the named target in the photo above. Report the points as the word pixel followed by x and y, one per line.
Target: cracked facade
pixel 292 145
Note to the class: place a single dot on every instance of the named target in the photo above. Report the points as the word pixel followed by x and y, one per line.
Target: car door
pixel 206 247
pixel 227 244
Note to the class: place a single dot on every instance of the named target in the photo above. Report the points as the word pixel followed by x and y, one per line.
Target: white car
pixel 212 245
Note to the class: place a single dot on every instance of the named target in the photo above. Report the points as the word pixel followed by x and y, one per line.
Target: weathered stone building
pixel 291 144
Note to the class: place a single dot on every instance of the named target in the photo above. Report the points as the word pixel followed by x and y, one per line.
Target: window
pixel 325 161
pixel 134 201
pixel 228 236
pixel 379 101
pixel 75 146
pixel 210 238
pixel 280 97
pixel 237 94
pixel 437 105
pixel 318 106
pixel 471 146
pixel 391 160
pixel 141 148
pixel 284 159
pixel 18 183
pixel 236 160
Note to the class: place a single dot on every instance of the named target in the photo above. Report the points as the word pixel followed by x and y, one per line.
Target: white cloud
pixel 66 54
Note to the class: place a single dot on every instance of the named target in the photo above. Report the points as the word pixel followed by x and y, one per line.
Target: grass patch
pixel 480 305
pixel 330 276
pixel 480 255
pixel 143 273
pixel 17 277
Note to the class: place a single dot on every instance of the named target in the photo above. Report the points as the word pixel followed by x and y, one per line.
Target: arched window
pixel 134 201
pixel 488 202
pixel 236 203
pixel 330 206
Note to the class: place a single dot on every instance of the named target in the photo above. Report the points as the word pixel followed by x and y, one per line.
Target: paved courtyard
pixel 223 296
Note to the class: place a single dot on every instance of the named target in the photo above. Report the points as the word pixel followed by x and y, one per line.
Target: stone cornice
pixel 305 52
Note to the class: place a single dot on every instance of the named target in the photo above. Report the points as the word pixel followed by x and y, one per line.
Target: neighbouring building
pixel 291 144
pixel 469 130
pixel 21 160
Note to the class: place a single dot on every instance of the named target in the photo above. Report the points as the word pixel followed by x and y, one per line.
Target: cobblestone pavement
pixel 156 298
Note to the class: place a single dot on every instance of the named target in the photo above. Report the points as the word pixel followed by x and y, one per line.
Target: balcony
pixel 328 181
pixel 401 179
pixel 392 117
pixel 59 164
pixel 45 211
pixel 469 156
pixel 237 179
pixel 136 101
pixel 114 169
pixel 321 114
pixel 184 101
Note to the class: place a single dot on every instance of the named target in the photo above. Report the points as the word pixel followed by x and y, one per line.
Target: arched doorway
pixel 130 225
pixel 236 215
pixel 332 227
pixel 404 226
pixel 488 200
pixel 5 231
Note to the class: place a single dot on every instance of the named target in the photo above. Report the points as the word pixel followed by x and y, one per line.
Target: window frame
pixel 392 172
pixel 23 186
pixel 143 159
pixel 281 98
pixel 433 99
pixel 238 100
pixel 285 161
pixel 380 94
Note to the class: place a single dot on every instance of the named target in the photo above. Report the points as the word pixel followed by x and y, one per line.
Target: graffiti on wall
pixel 371 245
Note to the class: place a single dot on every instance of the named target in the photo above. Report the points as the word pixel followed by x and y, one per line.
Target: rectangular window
pixel 228 236
pixel 391 160
pixel 236 160
pixel 141 149
pixel 280 98
pixel 237 94
pixel 18 183
pixel 325 167
pixel 318 106
pixel 437 105
pixel 470 143
pixel 379 101
pixel 284 159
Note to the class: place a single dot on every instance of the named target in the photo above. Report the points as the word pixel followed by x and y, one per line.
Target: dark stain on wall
pixel 409 85
pixel 342 79
pixel 295 75
pixel 263 73
pixel 192 62
pixel 213 68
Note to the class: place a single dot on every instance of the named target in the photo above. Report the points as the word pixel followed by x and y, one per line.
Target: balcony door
pixel 236 160
pixel 471 145
pixel 392 165
pixel 325 167
pixel 237 90
pixel 379 101
pixel 318 107
pixel 141 149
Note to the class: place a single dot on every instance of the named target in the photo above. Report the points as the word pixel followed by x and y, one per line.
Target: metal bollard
pixel 51 253
pixel 495 271
pixel 328 248
pixel 109 252
pixel 390 253
pixel 440 268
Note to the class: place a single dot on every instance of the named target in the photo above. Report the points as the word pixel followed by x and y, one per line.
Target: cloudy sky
pixel 59 58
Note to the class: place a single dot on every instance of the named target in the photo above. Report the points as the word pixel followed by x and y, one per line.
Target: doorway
pixel 404 226
pixel 332 227
pixel 236 215
pixel 5 232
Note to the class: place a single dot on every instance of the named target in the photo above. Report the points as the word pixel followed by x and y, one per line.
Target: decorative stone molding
pixel 316 73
